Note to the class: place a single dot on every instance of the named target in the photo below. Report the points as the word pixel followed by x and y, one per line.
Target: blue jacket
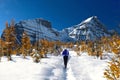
pixel 65 52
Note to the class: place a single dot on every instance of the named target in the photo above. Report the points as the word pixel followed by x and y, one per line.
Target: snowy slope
pixel 79 68
pixel 89 29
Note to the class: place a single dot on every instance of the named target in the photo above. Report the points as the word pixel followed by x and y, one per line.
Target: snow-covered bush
pixel 35 55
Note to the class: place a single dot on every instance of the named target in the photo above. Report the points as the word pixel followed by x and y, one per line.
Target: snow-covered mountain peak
pixel 89 29
pixel 90 19
pixel 91 22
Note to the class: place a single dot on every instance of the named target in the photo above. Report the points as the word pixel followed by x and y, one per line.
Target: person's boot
pixel 65 66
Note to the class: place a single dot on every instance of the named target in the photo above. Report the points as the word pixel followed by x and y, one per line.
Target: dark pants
pixel 65 61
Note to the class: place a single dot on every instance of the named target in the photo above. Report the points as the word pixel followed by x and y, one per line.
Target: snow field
pixel 79 68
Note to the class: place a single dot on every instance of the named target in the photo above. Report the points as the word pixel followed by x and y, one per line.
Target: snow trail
pixel 69 72
pixel 60 73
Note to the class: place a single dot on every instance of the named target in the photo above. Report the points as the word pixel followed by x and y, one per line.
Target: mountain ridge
pixel 89 29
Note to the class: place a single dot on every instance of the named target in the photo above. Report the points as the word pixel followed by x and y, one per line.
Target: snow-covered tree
pixel 35 55
pixel 77 49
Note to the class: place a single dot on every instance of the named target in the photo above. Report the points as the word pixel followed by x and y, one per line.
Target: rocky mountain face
pixel 89 29
pixel 36 29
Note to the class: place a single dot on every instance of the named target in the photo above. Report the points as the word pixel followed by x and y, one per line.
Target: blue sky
pixel 61 13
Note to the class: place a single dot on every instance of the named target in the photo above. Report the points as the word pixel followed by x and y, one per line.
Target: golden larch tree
pixel 26 44
pixel 113 70
pixel 9 38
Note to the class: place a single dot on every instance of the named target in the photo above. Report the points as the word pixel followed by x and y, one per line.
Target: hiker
pixel 65 54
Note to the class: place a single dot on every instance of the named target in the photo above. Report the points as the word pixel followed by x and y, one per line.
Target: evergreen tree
pixel 44 47
pixel 9 38
pixel 106 43
pixel 113 70
pixel 115 44
pixel 1 48
pixel 26 45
